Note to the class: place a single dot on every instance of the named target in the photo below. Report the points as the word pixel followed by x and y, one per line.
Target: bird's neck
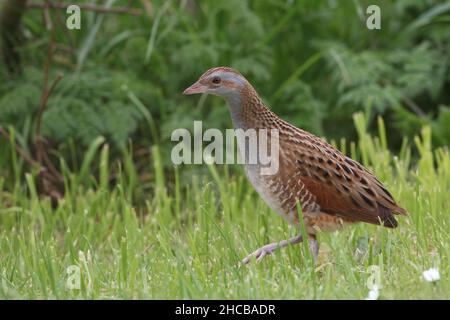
pixel 235 107
pixel 248 111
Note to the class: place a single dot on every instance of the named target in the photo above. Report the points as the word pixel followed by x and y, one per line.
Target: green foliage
pixel 82 107
pixel 385 79
pixel 441 127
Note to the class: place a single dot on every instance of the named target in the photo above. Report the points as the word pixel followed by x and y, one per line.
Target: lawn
pixel 187 243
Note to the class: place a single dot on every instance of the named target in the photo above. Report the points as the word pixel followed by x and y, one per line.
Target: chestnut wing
pixel 342 186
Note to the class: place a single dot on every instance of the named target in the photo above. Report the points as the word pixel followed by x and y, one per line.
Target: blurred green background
pixel 314 62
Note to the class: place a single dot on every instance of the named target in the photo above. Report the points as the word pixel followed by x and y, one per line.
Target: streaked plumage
pixel 333 189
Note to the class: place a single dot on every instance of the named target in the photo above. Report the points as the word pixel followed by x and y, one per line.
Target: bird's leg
pixel 269 248
pixel 313 246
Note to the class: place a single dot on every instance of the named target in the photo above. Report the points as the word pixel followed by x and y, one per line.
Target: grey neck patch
pixel 235 107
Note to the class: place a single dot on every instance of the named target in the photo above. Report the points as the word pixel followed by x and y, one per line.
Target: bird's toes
pixel 258 255
pixel 246 260
pixel 262 254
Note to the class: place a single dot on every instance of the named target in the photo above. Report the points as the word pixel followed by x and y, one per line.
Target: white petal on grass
pixel 431 275
pixel 374 293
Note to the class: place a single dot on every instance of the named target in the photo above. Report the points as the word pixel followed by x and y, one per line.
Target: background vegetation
pixel 99 189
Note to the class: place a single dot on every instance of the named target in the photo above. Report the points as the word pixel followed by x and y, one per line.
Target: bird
pixel 332 189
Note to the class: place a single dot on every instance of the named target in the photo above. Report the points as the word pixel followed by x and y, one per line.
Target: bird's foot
pixel 261 252
pixel 269 248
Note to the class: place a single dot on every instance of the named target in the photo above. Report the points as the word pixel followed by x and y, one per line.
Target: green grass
pixel 187 242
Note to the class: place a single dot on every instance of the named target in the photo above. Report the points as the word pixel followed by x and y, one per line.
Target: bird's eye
pixel 216 80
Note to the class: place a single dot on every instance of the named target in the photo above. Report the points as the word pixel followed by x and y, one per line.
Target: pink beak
pixel 195 88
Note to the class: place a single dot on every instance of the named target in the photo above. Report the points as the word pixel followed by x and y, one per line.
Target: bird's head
pixel 222 81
